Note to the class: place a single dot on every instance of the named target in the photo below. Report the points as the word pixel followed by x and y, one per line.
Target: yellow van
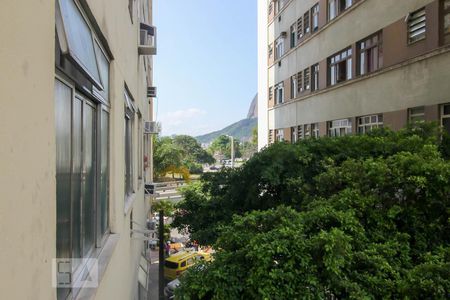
pixel 181 261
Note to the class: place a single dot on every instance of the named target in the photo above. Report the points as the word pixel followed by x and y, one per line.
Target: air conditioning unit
pixel 152 127
pixel 284 34
pixel 151 92
pixel 147 40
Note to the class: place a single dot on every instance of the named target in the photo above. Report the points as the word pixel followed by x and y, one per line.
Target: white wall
pixel 263 139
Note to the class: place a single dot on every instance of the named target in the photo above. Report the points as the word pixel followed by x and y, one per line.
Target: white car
pixel 169 291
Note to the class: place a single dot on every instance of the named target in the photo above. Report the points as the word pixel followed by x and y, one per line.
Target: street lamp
pixel 232 150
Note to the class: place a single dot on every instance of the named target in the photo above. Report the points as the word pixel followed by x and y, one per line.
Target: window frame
pixel 306 23
pixel 299 29
pixel 99 236
pixel 443 13
pixel 368 52
pixel 413 115
pixel 279 93
pixel 67 47
pixel 294 88
pixel 335 129
pixel 364 127
pixel 315 77
pixel 315 11
pixel 306 79
pixel 443 116
pixel 334 64
pixel 293 35
pixel 412 23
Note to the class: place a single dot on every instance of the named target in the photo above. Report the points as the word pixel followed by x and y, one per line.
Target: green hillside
pixel 241 130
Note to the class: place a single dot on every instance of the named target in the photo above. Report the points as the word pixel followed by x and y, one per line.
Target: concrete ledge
pixel 103 256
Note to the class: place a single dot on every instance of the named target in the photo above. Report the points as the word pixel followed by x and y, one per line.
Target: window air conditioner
pixel 147 41
pixel 151 92
pixel 152 127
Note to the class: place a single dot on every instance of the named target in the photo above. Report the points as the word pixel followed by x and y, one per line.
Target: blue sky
pixel 206 66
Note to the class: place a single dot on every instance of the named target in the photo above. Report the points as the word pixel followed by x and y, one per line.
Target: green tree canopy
pixel 222 146
pixel 179 154
pixel 360 217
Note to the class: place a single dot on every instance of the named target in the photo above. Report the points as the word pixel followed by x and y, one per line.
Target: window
pixel 299 28
pixel 279 93
pixel 340 67
pixel 367 123
pixel 370 54
pixel 82 139
pixel 279 135
pixel 294 89
pixel 270 93
pixel 294 134
pixel 309 131
pixel 129 119
pixel 336 7
pixel 300 135
pixel 82 165
pixel 103 67
pixel 140 149
pixel 270 50
pixel 315 17
pixel 445 21
pixel 270 136
pixel 306 23
pixel 417 26
pixel 75 34
pixel 332 9
pixel 315 130
pixel 306 82
pixel 294 35
pixel 416 114
pixel 445 117
pixel 340 127
pixel 299 82
pixel 270 9
pixel 315 77
pixel 279 51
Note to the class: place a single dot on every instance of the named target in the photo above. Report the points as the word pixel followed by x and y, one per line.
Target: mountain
pixel 253 111
pixel 241 130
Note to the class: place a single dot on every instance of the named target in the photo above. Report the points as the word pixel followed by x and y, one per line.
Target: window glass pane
pixel 63 103
pixel 79 38
pixel 349 68
pixel 446 124
pixel 447 24
pixel 104 173
pixel 447 4
pixel 77 162
pixel 63 100
pixel 103 66
pixel 446 109
pixel 89 151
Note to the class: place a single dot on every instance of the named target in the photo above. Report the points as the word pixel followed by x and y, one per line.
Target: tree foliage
pixel 222 146
pixel 360 217
pixel 181 154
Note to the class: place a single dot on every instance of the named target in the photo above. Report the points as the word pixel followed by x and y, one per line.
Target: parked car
pixel 169 291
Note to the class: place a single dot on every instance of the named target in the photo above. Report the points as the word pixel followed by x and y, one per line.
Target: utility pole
pixel 232 151
pixel 161 255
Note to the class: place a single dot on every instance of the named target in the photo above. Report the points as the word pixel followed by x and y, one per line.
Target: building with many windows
pixel 338 67
pixel 76 118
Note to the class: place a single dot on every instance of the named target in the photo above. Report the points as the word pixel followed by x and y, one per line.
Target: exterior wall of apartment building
pixel 65 145
pixel 360 63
